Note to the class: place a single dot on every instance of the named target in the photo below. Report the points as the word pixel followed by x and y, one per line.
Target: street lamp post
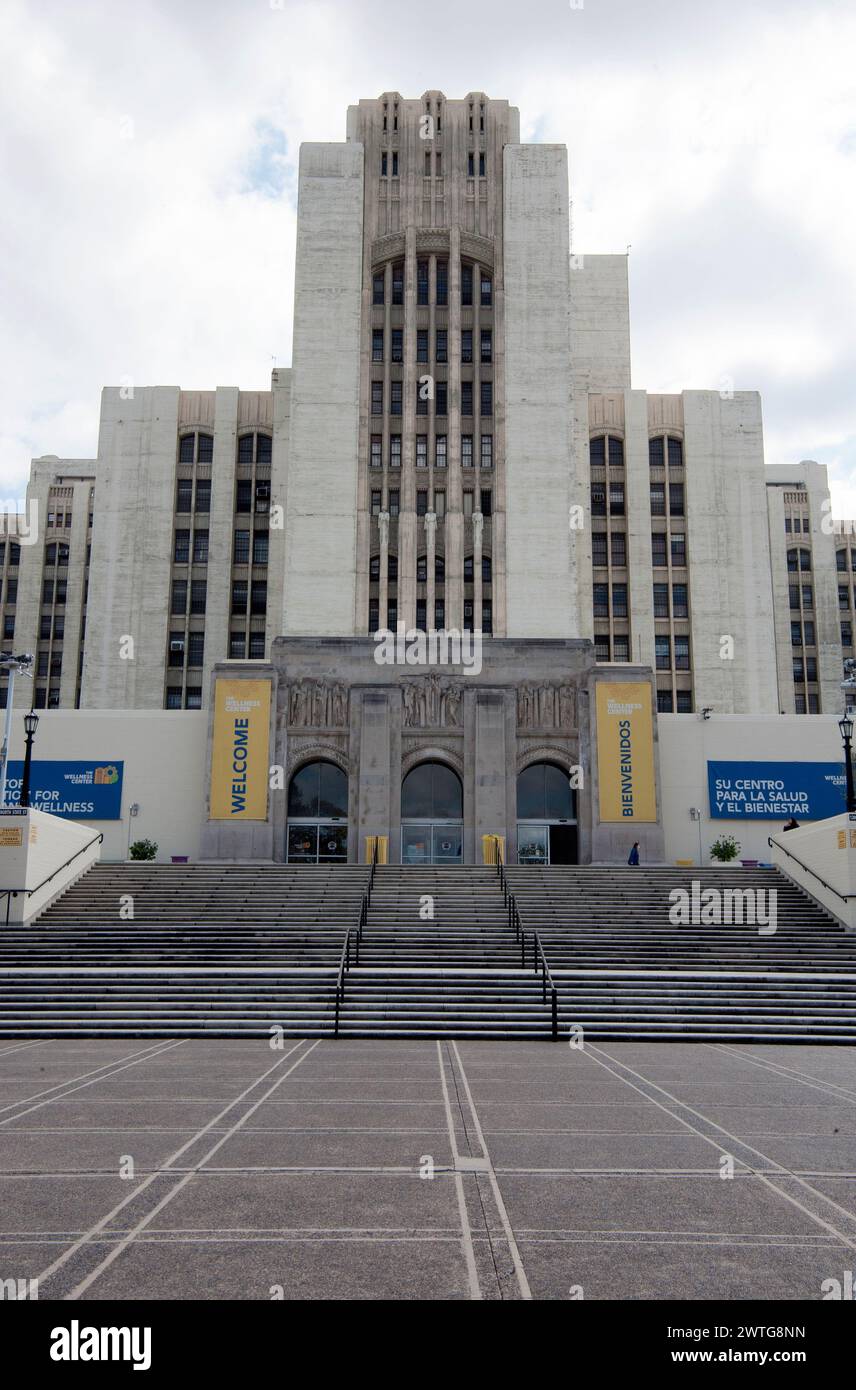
pixel 31 724
pixel 845 726
pixel 22 665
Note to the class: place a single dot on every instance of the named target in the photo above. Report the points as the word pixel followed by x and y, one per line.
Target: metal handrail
pixel 845 897
pixel 546 982
pixel 344 967
pixel 503 881
pixel 10 893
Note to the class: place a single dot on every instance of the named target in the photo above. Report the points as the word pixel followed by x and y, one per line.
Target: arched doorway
pixel 317 830
pixel 432 815
pixel 546 816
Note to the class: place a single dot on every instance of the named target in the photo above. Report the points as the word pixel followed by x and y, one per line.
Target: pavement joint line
pixel 522 1281
pixel 141 1187
pixel 789 1073
pixel 783 1170
pixel 80 1083
pixel 466 1236
pixel 23 1046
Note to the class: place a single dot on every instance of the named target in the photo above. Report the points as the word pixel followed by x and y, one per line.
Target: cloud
pixel 149 174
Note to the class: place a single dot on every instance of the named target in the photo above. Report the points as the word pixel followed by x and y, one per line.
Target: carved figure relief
pixel 318 704
pixel 432 703
pixel 550 705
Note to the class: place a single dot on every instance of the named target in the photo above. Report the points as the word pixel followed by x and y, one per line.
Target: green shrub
pixel 725 849
pixel 143 849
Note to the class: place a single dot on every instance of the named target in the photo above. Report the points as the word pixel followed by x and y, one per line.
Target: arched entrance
pixel 317 830
pixel 546 816
pixel 432 815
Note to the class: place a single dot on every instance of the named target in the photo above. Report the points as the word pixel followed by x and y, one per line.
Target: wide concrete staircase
pixel 240 949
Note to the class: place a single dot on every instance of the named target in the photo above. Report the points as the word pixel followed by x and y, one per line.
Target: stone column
pixel 383 586
pixel 430 559
pixel 478 528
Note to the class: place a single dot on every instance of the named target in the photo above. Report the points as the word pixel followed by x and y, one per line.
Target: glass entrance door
pixel 533 844
pixel 316 842
pixel 432 842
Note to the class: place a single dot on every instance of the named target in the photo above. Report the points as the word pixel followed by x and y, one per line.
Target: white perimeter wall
pixel 688 742
pixel 164 756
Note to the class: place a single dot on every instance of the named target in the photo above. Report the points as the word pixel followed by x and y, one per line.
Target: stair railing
pixel 344 967
pixel 10 893
pixel 503 881
pixel 539 963
pixel 845 897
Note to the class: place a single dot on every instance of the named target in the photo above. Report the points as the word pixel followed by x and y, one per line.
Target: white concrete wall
pixel 600 323
pixel 542 482
pixel 821 859
pixel 164 755
pixel 727 540
pixel 37 870
pixel 688 742
pixel 320 550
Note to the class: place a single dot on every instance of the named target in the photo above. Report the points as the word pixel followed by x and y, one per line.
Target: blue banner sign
pixel 77 791
pixel 776 791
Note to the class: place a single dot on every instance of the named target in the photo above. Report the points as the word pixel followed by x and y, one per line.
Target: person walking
pixel 791 824
pixel 633 857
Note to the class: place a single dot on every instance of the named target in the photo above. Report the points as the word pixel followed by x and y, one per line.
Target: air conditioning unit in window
pixel 177 646
pixel 262 489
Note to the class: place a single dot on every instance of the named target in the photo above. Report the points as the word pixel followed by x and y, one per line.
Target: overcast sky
pixel 148 153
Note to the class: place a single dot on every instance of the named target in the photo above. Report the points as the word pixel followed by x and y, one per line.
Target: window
pixel 421 502
pixel 260 548
pixel 422 392
pixel 439 614
pixel 45 628
pixel 471 165
pixel 467 293
pixel 395 397
pixel 377 344
pixel 601 648
pixel 799 704
pixel 392 568
pixel 684 702
pixel 616 453
pixel 487 616
pixel 395 159
pixel 439 502
pixel 442 353
pixel 421 451
pixel 257 645
pixel 468 569
pixel 441 398
pixel 679 549
pixel 621 648
pixel 663 653
pixel 378 288
pixel 185 448
pixel 374 615
pixel 843 596
pixel 194 697
pixel 242 548
pixel 239 596
pixel 658 549
pixel 244 495
pixel 598 549
pixel 377 398
pixel 796 634
pixel 807 596
pixel 486 345
pixel 245 448
pixel 466 451
pixel 486 569
pixel 48 591
pixel 813 704
pixel 840 560
pixel 398 283
pixel 374 568
pixel 598 499
pixel 466 345
pixel 442 282
pixel 200 547
pixel 184 495
pixel 661 600
pixel 487 451
pixel 62 591
pixel 237 646
pixel 619 600
pixel 173 697
pixel 618 541
pixel 487 398
pixel 394 501
pixel 676 453
pixel 392 613
pixel 203 494
pixel 664 702
pixel 794 593
pixel 679 601
pixel 682 653
pixel 597 451
pixel 205 448
pixel 616 499
pixel 422 282
pixel 799 674
pixel 421 569
pixel 468 504
pixel 486 291
pixel 481 165
pixel 395 451
pixel 258 597
pixel 181 554
pixel 198 596
pixel 486 502
pixel 264 448
pixel 176 649
pixel 600 598
pixel 195 648
pixel 468 615
pixel 421 614
pixel 466 398
pixel 440 451
pixel 811 668
pixel 376 494
pixel 384 164
pixel 846 634
pixel 808 632
pixel 376 447
pixel 658 499
pixel 422 345
pixel 676 499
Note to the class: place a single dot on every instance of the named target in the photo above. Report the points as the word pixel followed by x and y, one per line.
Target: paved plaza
pixel 230 1170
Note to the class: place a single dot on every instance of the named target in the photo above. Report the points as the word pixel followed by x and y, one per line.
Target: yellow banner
pixel 239 751
pixel 625 752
